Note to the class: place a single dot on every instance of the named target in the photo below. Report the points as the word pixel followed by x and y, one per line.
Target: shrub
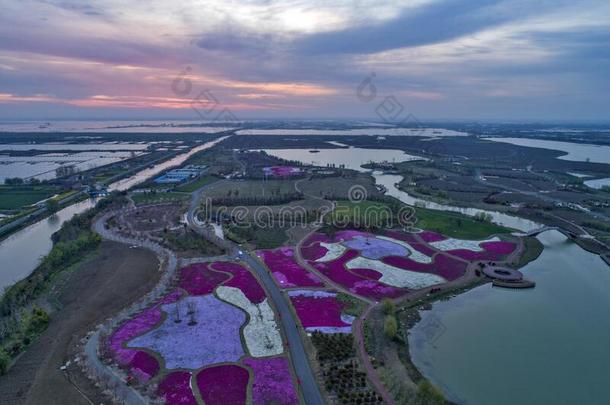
pixel 5 360
pixel 390 326
pixel 429 394
pixel 388 307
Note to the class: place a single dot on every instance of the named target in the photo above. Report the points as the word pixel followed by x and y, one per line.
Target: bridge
pixel 569 234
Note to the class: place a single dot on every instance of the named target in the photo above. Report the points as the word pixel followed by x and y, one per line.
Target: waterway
pixel 21 252
pixel 353 158
pixel 546 345
pixel 580 152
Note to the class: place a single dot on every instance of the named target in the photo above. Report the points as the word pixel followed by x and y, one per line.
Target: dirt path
pixel 99 288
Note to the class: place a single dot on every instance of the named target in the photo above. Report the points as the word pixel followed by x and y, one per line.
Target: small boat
pixel 314 151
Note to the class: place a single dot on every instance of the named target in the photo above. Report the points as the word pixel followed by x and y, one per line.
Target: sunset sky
pixel 444 59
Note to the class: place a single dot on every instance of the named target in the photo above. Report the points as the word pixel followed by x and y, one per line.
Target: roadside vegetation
pixel 22 317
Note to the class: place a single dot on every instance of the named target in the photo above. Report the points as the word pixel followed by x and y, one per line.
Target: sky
pixel 219 59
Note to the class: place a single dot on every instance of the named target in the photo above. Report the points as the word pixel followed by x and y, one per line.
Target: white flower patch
pixel 395 276
pixel 333 251
pixel 455 244
pixel 415 255
pixel 261 333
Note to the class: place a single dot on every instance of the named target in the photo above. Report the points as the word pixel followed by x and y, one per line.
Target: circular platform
pixel 503 273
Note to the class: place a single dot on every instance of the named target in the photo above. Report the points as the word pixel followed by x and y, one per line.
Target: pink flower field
pixel 286 271
pixel 413 252
pixel 282 171
pixel 206 353
pixel 175 389
pixel 226 384
pixel 273 382
pixel 319 311
pixel 336 271
pixel 199 279
pixel 242 279
pixel 445 266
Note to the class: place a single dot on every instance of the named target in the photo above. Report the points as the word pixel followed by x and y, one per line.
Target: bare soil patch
pixel 98 288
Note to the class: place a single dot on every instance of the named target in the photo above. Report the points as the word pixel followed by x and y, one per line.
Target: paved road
pixel 309 387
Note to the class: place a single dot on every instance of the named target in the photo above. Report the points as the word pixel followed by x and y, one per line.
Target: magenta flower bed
pixel 337 272
pixel 176 389
pixel 448 267
pixel 408 264
pixel 243 280
pixel 425 249
pixel 445 266
pixel 272 381
pixel 136 326
pixel 499 248
pixel 227 384
pixel 286 271
pixel 493 251
pixel 429 236
pixel 144 366
pixel 199 279
pixel 282 171
pixel 313 252
pixel 318 310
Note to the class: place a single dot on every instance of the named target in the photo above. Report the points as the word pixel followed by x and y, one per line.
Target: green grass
pixel 196 184
pixel 15 197
pixel 263 238
pixel 365 212
pixel 154 198
pixel 456 225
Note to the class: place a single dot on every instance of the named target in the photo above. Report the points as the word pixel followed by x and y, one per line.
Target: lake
pixel 547 345
pixel 579 152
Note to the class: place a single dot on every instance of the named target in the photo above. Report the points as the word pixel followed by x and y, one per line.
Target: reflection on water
pixel 21 252
pixel 546 345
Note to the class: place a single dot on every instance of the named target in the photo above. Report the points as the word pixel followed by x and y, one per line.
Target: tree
pixel 4 361
pixel 387 306
pixel 390 326
pixel 52 205
pixel 13 181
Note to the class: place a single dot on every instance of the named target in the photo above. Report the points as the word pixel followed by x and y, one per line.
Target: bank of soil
pixel 101 286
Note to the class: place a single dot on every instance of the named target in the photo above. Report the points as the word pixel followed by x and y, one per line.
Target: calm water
pixel 598 183
pixel 575 151
pixel 547 345
pixel 21 252
pixel 353 158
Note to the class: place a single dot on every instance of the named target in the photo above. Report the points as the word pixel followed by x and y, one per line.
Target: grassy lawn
pixel 198 183
pixel 263 238
pixel 153 198
pixel 14 197
pixel 377 214
pixel 456 225
pixel 250 188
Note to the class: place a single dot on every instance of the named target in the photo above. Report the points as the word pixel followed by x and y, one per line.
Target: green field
pixel 15 197
pixel 456 225
pixel 154 198
pixel 196 184
pixel 370 214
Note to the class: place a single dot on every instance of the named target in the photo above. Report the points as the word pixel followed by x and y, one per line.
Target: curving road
pixel 307 381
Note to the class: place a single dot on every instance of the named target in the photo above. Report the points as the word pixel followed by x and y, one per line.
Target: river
pixel 547 345
pixel 353 158
pixel 21 252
